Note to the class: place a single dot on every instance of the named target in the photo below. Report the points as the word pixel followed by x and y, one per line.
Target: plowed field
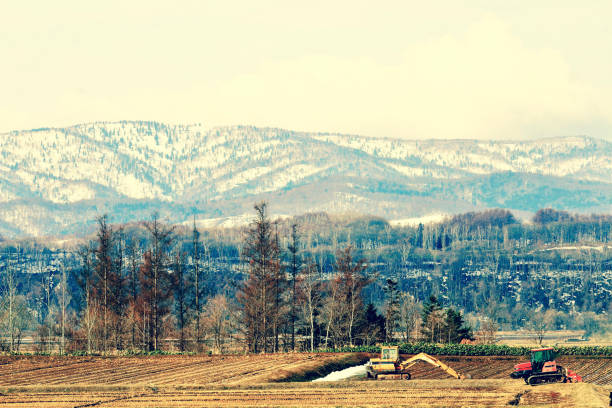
pixel 398 393
pixel 162 370
pixel 192 381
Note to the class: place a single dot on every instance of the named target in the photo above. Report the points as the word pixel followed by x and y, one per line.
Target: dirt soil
pixel 166 370
pixel 596 370
pixel 253 380
pixel 398 393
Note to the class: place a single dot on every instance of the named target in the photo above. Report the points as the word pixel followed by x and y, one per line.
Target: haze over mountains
pixel 56 181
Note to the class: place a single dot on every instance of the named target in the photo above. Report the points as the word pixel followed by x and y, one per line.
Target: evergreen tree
pixel 454 327
pixel 419 236
pixel 433 320
pixel 392 309
pixel 372 327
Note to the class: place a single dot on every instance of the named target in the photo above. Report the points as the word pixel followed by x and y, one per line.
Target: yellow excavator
pixel 389 366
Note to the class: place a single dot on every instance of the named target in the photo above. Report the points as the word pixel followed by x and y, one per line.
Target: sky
pixel 403 69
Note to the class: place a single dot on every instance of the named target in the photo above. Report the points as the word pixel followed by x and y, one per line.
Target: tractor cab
pixel 543 360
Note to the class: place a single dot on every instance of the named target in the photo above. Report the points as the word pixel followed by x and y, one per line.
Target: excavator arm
pixel 406 364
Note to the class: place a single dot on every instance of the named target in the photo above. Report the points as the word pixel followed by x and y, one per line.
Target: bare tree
pixel 257 295
pixel 181 288
pixel 330 310
pixel 294 270
pixel 132 259
pixel 22 318
pixel 91 319
pixel 537 326
pixel 118 287
pixel 310 290
pixel 10 283
pixel 488 330
pixel 196 278
pixel 410 311
pixel 85 279
pixel 63 298
pixel 161 239
pixel 104 269
pixel 217 320
pixel 352 280
pixel 48 291
pixel 435 322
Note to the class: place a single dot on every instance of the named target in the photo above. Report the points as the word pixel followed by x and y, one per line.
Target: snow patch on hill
pixel 427 219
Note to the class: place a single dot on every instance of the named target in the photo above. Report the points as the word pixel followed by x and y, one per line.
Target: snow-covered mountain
pixel 56 181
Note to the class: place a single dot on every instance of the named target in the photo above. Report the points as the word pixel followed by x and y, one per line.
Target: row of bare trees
pixel 138 292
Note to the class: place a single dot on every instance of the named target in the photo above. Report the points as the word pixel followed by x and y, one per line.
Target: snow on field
pixel 426 219
pixel 343 374
pixel 230 222
pixel 222 222
pixel 599 248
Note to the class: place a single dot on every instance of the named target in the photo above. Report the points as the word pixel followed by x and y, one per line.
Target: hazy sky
pixel 408 69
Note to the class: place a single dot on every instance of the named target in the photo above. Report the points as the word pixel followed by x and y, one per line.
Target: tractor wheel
pixel 408 376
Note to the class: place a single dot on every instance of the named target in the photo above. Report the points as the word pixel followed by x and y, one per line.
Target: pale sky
pixel 405 69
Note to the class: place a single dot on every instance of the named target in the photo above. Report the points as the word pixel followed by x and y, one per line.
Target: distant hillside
pixel 55 181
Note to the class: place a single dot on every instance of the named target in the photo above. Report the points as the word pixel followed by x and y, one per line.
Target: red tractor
pixel 543 368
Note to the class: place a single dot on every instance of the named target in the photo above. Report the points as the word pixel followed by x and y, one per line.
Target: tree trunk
pixel 311 313
pixel 196 270
pixel 64 282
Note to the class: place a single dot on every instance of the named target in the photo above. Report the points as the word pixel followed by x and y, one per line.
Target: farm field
pixel 398 393
pixel 257 380
pixel 165 370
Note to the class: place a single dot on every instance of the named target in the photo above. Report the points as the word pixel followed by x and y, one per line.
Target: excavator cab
pixel 389 353
pixel 388 363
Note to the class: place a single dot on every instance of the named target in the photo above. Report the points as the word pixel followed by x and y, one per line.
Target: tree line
pixel 277 286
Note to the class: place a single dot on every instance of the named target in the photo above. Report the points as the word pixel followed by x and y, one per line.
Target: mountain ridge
pixel 59 179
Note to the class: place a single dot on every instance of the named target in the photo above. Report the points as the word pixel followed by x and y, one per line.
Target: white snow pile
pixel 343 374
